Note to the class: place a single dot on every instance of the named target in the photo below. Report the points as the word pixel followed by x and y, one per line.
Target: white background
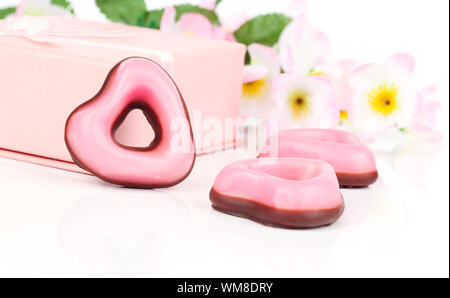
pixel 56 223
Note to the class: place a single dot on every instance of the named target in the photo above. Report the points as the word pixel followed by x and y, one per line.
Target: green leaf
pixel 264 29
pixel 248 60
pixel 124 11
pixel 4 12
pixel 65 4
pixel 188 8
pixel 151 19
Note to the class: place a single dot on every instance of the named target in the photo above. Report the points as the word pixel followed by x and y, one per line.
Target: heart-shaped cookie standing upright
pixel 134 83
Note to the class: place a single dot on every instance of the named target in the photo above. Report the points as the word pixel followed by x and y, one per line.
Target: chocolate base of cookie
pixel 288 219
pixel 357 180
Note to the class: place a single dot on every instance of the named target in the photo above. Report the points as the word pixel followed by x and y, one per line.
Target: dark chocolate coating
pixel 357 180
pixel 288 219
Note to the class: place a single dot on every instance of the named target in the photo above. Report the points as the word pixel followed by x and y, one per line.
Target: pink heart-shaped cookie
pixel 352 160
pixel 290 193
pixel 134 83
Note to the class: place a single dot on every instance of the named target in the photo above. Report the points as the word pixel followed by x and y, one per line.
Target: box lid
pixel 102 41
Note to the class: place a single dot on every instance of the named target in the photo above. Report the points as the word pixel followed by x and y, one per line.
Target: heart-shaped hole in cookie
pixel 126 134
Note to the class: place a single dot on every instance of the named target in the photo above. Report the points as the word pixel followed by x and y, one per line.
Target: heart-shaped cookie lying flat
pixel 289 193
pixel 352 160
pixel 134 83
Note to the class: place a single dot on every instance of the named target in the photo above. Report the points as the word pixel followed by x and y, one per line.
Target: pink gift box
pixel 49 66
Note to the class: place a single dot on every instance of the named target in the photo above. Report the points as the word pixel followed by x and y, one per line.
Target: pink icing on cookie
pixel 292 193
pixel 134 83
pixel 352 160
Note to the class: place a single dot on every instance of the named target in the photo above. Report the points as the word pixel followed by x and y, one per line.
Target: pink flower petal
pixel 168 19
pixel 302 47
pixel 404 61
pixel 222 34
pixel 347 66
pixel 230 37
pixel 428 108
pixel 344 96
pixel 289 61
pixel 363 69
pixel 280 89
pixel 208 4
pixel 337 74
pixel 429 92
pixel 429 134
pixel 296 8
pixel 254 73
pixel 196 24
pixel 234 21
pixel 429 113
pixel 266 56
pixel 19 8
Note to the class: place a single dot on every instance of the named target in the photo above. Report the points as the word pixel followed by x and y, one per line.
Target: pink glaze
pixel 133 83
pixel 288 184
pixel 342 150
pixel 63 61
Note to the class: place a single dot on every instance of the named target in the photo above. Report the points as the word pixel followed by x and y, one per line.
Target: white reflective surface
pixel 57 223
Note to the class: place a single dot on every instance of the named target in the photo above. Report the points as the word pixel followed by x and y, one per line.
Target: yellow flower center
pixel 254 90
pixel 299 103
pixel 383 99
pixel 343 115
